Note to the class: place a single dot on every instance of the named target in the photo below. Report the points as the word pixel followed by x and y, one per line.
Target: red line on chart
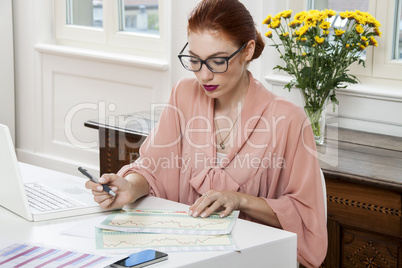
pixel 197 241
pixel 34 258
pixel 54 259
pixel 19 255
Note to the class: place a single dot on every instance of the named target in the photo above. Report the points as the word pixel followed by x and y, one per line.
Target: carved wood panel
pixel 367 249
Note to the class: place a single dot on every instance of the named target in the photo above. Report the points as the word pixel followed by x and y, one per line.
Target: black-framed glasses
pixel 214 64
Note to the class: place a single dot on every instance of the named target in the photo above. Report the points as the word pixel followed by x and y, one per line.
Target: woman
pixel 225 143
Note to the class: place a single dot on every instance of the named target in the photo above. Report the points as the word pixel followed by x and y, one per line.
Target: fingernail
pixel 195 215
pixel 101 180
pixel 99 188
pixel 203 215
pixel 114 189
pixel 190 212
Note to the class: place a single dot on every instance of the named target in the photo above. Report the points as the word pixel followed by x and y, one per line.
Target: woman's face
pixel 207 44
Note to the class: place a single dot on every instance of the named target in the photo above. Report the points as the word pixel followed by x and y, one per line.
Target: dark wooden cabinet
pixel 364 225
pixel 364 200
pixel 364 191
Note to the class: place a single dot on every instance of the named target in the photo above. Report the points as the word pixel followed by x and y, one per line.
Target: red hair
pixel 230 18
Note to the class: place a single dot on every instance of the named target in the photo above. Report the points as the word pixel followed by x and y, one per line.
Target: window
pixel 398 31
pixel 128 26
pixel 384 61
pixel 84 13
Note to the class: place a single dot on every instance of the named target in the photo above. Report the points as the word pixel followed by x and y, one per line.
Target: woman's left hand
pixel 213 201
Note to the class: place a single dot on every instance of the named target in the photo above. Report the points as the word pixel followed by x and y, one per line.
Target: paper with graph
pixel 115 240
pixel 169 222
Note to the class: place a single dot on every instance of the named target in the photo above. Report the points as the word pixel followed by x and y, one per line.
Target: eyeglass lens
pixel 215 64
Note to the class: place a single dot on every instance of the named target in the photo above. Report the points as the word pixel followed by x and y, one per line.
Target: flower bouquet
pixel 317 54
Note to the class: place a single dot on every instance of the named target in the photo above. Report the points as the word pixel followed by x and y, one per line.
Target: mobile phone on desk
pixel 140 259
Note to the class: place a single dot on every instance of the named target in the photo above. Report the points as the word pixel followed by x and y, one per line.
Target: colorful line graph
pixel 30 256
pixel 107 239
pixel 166 221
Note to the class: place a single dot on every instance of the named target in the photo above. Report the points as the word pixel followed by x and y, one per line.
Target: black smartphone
pixel 140 259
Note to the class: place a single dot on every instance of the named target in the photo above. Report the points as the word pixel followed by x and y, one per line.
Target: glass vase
pixel 317 118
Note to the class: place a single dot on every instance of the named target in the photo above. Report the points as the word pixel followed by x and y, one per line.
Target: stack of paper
pixel 165 230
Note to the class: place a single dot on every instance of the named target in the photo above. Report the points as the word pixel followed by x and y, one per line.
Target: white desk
pixel 260 245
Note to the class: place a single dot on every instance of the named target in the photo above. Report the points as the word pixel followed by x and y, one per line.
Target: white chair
pixel 324 191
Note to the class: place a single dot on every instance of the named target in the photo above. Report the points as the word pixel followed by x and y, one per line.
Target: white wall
pixel 57 90
pixel 7 99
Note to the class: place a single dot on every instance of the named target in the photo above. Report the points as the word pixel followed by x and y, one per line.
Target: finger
pixel 108 178
pixel 103 199
pixel 91 185
pixel 107 203
pixel 195 205
pixel 226 212
pixel 203 203
pixel 211 209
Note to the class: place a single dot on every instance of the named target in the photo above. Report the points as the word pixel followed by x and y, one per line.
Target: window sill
pixel 369 107
pixel 372 91
pixel 142 62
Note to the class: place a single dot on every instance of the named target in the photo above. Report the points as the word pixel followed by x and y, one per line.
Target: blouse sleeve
pixel 299 204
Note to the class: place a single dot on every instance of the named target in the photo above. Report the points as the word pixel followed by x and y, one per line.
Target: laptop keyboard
pixel 44 198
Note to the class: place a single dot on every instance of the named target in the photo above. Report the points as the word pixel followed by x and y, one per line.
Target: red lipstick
pixel 210 87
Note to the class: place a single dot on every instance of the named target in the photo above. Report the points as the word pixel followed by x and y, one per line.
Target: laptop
pixel 22 185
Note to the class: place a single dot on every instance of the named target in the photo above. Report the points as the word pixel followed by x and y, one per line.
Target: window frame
pixel 109 38
pixel 384 66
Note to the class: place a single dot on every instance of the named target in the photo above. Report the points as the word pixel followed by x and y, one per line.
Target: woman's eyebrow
pixel 217 54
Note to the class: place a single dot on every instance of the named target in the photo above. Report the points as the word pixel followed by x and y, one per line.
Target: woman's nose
pixel 205 73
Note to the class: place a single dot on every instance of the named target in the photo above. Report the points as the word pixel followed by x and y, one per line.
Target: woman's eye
pixel 219 61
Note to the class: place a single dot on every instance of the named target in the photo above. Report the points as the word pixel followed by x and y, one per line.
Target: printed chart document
pixel 29 256
pixel 169 222
pixel 165 230
pixel 115 240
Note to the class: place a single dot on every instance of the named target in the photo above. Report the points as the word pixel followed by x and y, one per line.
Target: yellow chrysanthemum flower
pixel 373 41
pixel 339 32
pixel 325 25
pixel 304 54
pixel 311 22
pixel 268 34
pixel 330 13
pixel 377 31
pixel 359 29
pixel 300 16
pixel 363 39
pixel 275 23
pixel 267 20
pixel 286 14
pixel 302 30
pixel 360 19
pixel 362 47
pixel 346 15
pixel 285 34
pixel 295 23
pixel 372 21
pixel 319 40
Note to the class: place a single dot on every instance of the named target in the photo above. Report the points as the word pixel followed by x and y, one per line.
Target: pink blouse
pixel 273 157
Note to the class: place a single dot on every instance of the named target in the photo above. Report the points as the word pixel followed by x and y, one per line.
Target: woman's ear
pixel 249 50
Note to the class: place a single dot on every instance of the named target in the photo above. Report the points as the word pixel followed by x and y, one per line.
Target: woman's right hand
pixel 119 185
